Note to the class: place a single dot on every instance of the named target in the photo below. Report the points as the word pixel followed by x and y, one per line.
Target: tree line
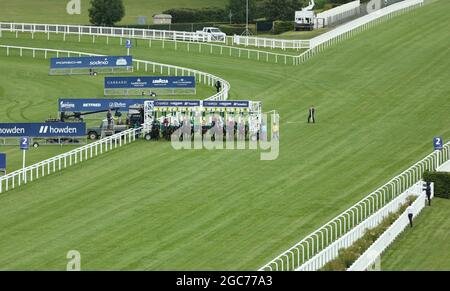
pixel 109 12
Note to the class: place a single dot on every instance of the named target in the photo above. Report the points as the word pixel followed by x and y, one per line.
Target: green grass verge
pixel 200 48
pixel 381 97
pixel 424 247
pixel 28 94
pixel 295 34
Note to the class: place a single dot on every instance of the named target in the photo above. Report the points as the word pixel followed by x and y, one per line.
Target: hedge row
pixel 441 182
pixel 231 29
pixel 347 256
pixel 189 15
pixel 283 26
pixel 176 26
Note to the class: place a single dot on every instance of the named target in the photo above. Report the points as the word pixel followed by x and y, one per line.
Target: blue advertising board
pixel 2 161
pixel 149 82
pixel 90 104
pixel 438 143
pixel 176 103
pixel 234 104
pixel 24 143
pixel 91 62
pixel 46 129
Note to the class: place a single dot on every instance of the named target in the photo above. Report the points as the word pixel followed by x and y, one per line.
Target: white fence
pixel 201 77
pixel 313 244
pixel 46 167
pixel 332 251
pixel 371 255
pixel 319 43
pixel 62 161
pixel 339 13
pixel 272 43
pixel 363 23
pixel 165 36
pixel 315 45
pixel 108 31
pixel 444 167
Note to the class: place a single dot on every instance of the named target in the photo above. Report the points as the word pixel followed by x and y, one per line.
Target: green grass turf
pixel 54 11
pixel 380 96
pixel 193 48
pixel 28 94
pixel 295 34
pixel 424 247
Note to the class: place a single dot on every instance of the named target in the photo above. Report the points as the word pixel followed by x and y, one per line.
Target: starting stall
pixel 164 117
pixel 91 65
pixel 150 86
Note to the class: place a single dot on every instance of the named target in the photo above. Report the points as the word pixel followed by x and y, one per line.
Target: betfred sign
pixel 48 129
pixel 88 105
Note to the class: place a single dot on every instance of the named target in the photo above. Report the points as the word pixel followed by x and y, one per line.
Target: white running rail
pixel 363 23
pixel 332 251
pixel 339 13
pixel 370 256
pixel 201 77
pixel 316 44
pixel 58 163
pixel 319 43
pixel 107 31
pixel 190 44
pixel 272 43
pixel 313 244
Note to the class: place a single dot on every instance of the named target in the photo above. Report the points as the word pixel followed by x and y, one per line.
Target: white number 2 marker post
pixel 24 146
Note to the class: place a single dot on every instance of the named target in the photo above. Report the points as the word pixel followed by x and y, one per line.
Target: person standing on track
pixel 427 190
pixel 109 119
pixel 410 214
pixel 312 114
pixel 218 86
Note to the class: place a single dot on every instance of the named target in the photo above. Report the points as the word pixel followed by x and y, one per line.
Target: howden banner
pixel 45 129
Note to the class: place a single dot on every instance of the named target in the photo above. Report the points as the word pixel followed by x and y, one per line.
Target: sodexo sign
pixel 91 62
pixel 47 129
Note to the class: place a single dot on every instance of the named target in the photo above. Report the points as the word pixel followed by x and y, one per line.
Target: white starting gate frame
pixel 176 110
